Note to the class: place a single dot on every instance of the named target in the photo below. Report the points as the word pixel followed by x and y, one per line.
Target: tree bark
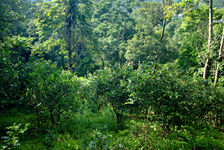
pixel 119 117
pixel 220 58
pixel 207 63
pixel 102 60
pixel 164 22
pixel 69 49
pixel 221 46
pixel 70 21
pixel 63 61
pixel 164 28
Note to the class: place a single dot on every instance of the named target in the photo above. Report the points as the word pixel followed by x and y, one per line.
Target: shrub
pixel 173 98
pixel 52 92
pixel 14 55
pixel 112 88
pixel 12 140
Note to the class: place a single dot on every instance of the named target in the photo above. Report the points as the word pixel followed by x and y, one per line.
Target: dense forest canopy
pixel 111 74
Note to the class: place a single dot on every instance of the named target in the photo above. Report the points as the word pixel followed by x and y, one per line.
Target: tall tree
pixel 114 26
pixel 146 45
pixel 62 33
pixel 12 15
pixel 47 30
pixel 164 20
pixel 207 63
pixel 70 21
pixel 79 35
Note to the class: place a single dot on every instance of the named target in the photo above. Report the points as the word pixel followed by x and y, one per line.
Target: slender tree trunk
pixel 63 61
pixel 164 22
pixel 207 63
pixel 164 28
pixel 103 65
pixel 220 58
pixel 70 21
pixel 69 49
pixel 221 46
pixel 216 74
pixel 119 117
pixel 52 116
pixel 146 113
pixel 118 114
pixel 163 33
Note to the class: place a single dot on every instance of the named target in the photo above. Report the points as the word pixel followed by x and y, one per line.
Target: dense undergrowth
pixel 120 108
pixel 111 74
pixel 100 131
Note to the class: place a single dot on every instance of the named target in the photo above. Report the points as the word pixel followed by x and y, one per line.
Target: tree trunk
pixel 146 113
pixel 63 61
pixel 118 114
pixel 164 22
pixel 69 49
pixel 164 28
pixel 216 74
pixel 103 65
pixel 220 58
pixel 119 117
pixel 221 46
pixel 207 63
pixel 99 107
pixel 52 116
pixel 70 21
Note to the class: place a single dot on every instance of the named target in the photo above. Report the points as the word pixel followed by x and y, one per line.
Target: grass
pixel 100 131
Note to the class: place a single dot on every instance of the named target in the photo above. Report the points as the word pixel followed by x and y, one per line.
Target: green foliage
pixel 12 140
pixel 136 101
pixel 181 101
pixel 98 141
pixel 51 92
pixel 193 36
pixel 12 15
pixel 146 44
pixel 15 53
pixel 66 142
pixel 202 138
pixel 112 88
pixel 113 25
pixel 48 27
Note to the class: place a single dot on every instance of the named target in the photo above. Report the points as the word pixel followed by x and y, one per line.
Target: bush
pixel 12 140
pixel 52 92
pixel 112 88
pixel 14 55
pixel 174 99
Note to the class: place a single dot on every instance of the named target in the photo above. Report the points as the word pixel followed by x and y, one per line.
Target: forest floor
pixel 100 131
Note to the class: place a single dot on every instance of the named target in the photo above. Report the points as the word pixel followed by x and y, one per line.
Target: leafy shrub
pixel 14 54
pixel 196 138
pixel 173 99
pixel 52 92
pixel 217 113
pixel 112 88
pixel 66 142
pixel 12 140
pixel 98 141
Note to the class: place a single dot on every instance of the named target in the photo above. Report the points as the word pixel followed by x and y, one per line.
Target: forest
pixel 111 75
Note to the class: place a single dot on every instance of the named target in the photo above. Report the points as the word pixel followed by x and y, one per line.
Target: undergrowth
pixel 99 131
